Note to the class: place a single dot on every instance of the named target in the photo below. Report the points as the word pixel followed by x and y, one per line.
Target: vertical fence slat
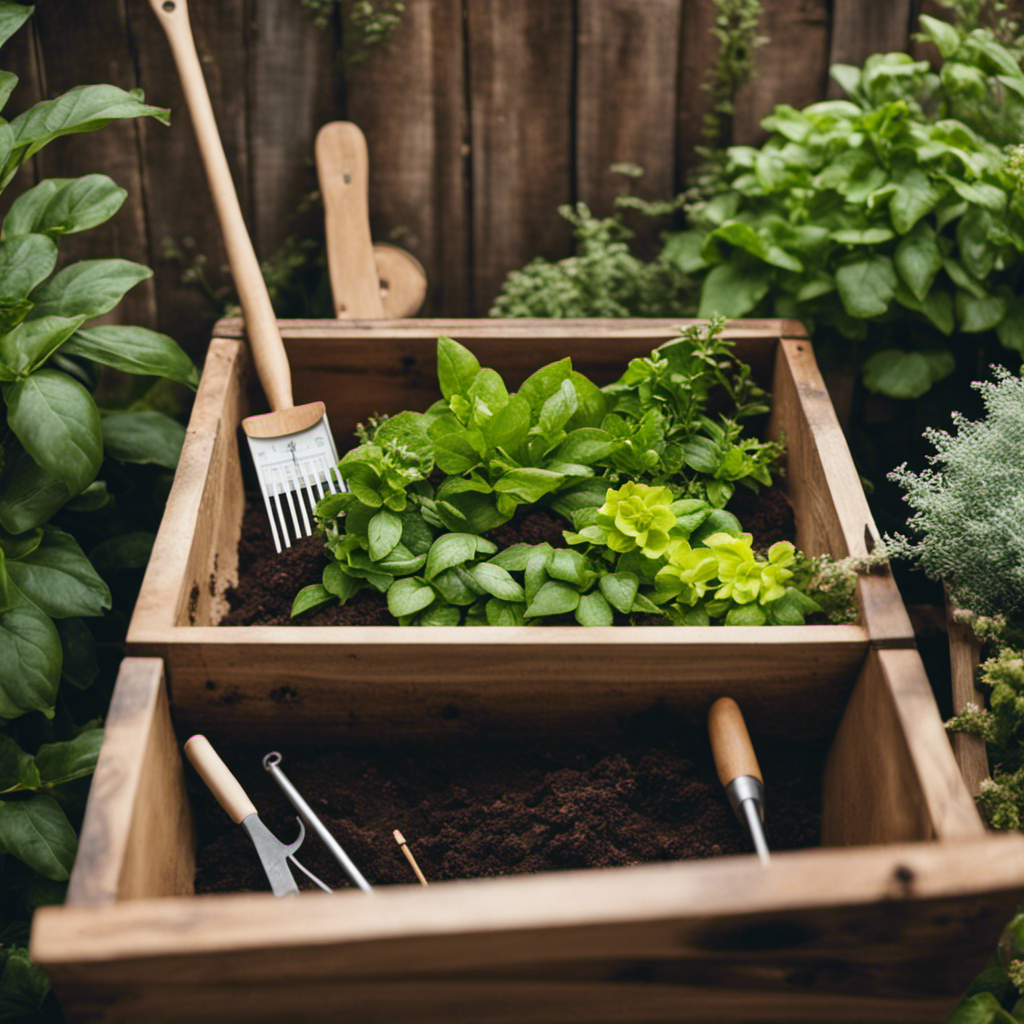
pixel 520 64
pixel 859 30
pixel 178 204
pixel 698 51
pixel 101 53
pixel 292 89
pixel 791 68
pixel 628 63
pixel 410 102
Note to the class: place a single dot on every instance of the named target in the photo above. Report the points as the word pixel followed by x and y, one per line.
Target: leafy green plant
pixel 62 485
pixel 637 470
pixel 893 208
pixel 368 24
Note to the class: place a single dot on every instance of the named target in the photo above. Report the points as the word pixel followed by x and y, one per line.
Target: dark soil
pixel 268 581
pixel 476 808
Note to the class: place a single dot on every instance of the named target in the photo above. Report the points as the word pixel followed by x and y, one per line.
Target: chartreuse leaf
pixel 58 579
pixel 146 437
pixel 941 33
pixel 457 367
pixel 30 661
pixel 68 760
pixel 134 350
pixel 38 833
pixel 87 288
pixel 57 206
pixel 58 423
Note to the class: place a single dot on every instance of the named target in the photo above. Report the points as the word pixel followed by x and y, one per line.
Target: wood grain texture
pixel 403 281
pixel 964 659
pixel 730 742
pixel 860 29
pixel 697 54
pixel 410 101
pixel 627 57
pixel 669 942
pixel 891 775
pixel 137 838
pixel 520 79
pixel 791 68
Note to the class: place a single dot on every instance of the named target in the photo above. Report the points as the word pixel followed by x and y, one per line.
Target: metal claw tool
pixel 274 855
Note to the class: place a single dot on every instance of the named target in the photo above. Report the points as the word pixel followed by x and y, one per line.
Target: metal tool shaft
pixel 272 762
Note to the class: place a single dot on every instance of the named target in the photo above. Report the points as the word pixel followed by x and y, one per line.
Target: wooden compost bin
pixel 887 922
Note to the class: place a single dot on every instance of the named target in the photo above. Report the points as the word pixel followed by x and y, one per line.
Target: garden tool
pixel 367 279
pixel 292 447
pixel 272 764
pixel 274 855
pixel 738 770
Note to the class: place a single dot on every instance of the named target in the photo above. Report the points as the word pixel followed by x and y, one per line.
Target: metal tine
pixel 307 476
pixel 309 874
pixel 291 504
pixel 297 488
pixel 281 519
pixel 270 515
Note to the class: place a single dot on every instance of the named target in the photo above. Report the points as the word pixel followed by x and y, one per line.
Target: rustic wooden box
pixel 887 923
pixel 359 368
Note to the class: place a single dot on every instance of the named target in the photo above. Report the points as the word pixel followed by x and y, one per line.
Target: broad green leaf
pixel 384 532
pixel 25 262
pixel 918 259
pixel 620 590
pixel 744 236
pixel 147 437
pixel 937 307
pixel 68 760
pixel 556 410
pixel 456 586
pixel 125 551
pixel 20 545
pixel 24 985
pixel 449 550
pixel 339 583
pixel 507 429
pixel 514 557
pixel 594 610
pixel 861 236
pixel 976 249
pixel 591 404
pixel 32 342
pixel 58 579
pixel 80 664
pixel 457 367
pixel 915 195
pixel 535 573
pixel 456 453
pixel 988 196
pixel 38 833
pixel 12 17
pixel 980 1008
pixel 898 374
pixel 503 613
pixel 746 615
pixel 29 496
pixel 553 598
pixel 963 280
pixel 733 290
pixel 134 350
pixel 684 249
pixel 866 286
pixel 940 364
pixel 58 423
pixel 17 769
pixel 87 288
pixel 497 582
pixel 489 388
pixel 570 566
pixel 543 383
pixel 1011 328
pixel 586 445
pixel 528 484
pixel 57 207
pixel 440 614
pixel 847 76
pixel 85 108
pixel 30 661
pixel 941 33
pixel 979 314
pixel 409 596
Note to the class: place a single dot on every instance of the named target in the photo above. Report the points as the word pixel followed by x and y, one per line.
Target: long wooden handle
pixel 730 742
pixel 343 169
pixel 216 774
pixel 261 324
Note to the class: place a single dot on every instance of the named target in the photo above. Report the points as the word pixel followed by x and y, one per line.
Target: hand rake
pixel 292 447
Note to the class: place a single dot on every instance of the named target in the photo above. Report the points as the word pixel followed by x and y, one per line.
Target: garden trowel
pixel 274 855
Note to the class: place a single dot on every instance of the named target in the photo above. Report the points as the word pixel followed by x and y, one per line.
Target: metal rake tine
pixel 309 874
pixel 297 488
pixel 291 504
pixel 307 477
pixel 270 515
pixel 281 519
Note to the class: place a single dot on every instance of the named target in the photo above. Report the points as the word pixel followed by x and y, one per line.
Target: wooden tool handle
pixel 216 774
pixel 260 322
pixel 730 742
pixel 343 169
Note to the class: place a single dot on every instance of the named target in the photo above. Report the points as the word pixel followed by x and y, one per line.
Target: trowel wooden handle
pixel 730 742
pixel 216 774
pixel 260 322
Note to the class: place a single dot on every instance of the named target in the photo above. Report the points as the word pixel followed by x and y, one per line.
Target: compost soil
pixel 268 581
pixel 474 808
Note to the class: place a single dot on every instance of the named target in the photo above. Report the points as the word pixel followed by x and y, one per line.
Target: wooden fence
pixel 482 117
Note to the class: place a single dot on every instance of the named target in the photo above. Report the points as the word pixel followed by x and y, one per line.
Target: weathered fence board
pixel 481 118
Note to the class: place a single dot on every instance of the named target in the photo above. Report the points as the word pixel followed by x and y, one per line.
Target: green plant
pixel 368 24
pixel 61 478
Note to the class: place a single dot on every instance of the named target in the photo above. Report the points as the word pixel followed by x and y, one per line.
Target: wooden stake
pixel 400 839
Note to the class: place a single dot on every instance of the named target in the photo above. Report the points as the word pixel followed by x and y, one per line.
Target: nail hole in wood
pixel 169 5
pixel 347 178
pixel 384 286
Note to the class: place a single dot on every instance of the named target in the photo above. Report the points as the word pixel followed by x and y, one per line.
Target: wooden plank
pixel 964 659
pixel 627 61
pixel 102 53
pixel 859 30
pixel 890 776
pixel 693 942
pixel 137 837
pixel 410 101
pixel 791 68
pixel 291 89
pixel 697 54
pixel 520 80
pixel 178 204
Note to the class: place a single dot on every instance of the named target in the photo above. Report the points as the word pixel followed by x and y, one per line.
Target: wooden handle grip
pixel 730 742
pixel 260 322
pixel 216 774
